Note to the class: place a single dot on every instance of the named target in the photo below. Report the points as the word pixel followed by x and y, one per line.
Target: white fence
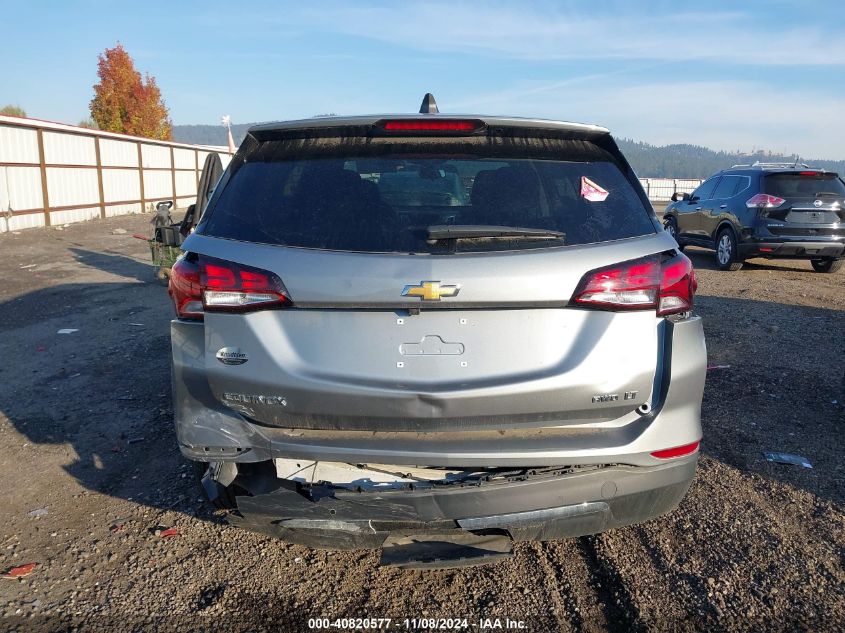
pixel 661 189
pixel 53 174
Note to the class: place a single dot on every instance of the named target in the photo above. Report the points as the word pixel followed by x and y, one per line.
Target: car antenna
pixel 429 105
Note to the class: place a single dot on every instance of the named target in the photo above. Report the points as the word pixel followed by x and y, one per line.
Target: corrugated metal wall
pixel 51 173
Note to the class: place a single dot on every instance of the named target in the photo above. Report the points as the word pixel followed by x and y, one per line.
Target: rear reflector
pixel 205 284
pixel 665 284
pixel 764 201
pixel 431 125
pixel 678 451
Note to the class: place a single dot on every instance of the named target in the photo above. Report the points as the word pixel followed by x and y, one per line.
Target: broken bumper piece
pixel 424 523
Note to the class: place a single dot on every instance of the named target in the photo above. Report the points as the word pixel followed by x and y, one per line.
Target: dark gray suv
pixel 435 335
pixel 773 210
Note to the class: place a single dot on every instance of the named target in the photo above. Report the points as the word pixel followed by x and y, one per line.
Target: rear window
pixel 382 195
pixel 804 185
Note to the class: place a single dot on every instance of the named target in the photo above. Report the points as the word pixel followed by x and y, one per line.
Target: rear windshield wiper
pixel 437 232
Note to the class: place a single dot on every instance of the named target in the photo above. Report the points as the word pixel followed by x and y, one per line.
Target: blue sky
pixel 727 75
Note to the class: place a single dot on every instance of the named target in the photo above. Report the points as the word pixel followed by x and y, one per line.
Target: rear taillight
pixel 206 284
pixel 677 286
pixel 764 201
pixel 665 284
pixel 184 289
pixel 231 287
pixel 677 451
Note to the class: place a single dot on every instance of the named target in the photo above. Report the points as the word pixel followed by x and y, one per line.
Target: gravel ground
pixel 90 468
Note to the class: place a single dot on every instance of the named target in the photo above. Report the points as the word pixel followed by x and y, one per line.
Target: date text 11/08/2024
pixel 426 624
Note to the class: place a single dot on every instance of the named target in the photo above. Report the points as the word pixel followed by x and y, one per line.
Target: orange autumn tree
pixel 124 102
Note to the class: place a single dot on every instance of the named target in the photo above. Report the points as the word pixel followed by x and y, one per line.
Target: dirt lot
pixel 88 445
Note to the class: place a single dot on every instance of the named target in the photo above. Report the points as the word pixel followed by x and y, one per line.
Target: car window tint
pixel 384 201
pixel 726 187
pixel 803 185
pixel 705 191
pixel 742 183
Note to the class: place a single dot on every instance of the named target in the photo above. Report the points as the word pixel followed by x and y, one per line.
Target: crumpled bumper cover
pixel 535 508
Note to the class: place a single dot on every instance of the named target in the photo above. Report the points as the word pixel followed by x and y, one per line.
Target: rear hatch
pixel 424 282
pixel 812 204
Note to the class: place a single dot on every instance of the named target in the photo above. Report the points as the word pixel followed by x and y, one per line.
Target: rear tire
pixel 826 265
pixel 671 226
pixel 726 251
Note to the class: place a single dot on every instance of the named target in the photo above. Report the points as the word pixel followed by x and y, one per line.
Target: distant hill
pixel 693 161
pixel 649 161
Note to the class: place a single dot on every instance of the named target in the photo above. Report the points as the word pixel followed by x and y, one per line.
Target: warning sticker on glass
pixel 591 191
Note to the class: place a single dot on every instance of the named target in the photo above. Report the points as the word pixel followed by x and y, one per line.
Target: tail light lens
pixel 677 286
pixel 665 284
pixel 764 201
pixel 206 284
pixel 184 289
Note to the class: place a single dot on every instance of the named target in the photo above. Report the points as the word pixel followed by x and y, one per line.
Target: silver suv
pixel 435 335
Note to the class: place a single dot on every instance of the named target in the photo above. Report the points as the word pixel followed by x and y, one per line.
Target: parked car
pixel 359 363
pixel 774 210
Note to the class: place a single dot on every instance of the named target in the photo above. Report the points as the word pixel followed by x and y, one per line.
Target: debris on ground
pixel 39 512
pixel 134 440
pixel 788 458
pixel 68 330
pixel 21 571
pixel 116 528
pixel 118 232
pixel 30 266
pixel 712 367
pixel 163 532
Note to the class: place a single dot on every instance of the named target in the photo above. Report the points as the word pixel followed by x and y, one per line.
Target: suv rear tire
pixel 826 265
pixel 726 251
pixel 671 226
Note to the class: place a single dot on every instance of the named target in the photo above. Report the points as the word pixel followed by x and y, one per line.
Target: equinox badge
pixel 430 291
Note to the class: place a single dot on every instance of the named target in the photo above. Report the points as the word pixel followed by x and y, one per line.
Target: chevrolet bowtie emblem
pixel 430 291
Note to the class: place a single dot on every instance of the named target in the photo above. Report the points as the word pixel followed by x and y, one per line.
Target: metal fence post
pixel 45 196
pixel 173 175
pixel 100 177
pixel 141 177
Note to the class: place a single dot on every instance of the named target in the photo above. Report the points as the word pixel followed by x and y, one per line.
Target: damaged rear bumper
pixel 536 507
